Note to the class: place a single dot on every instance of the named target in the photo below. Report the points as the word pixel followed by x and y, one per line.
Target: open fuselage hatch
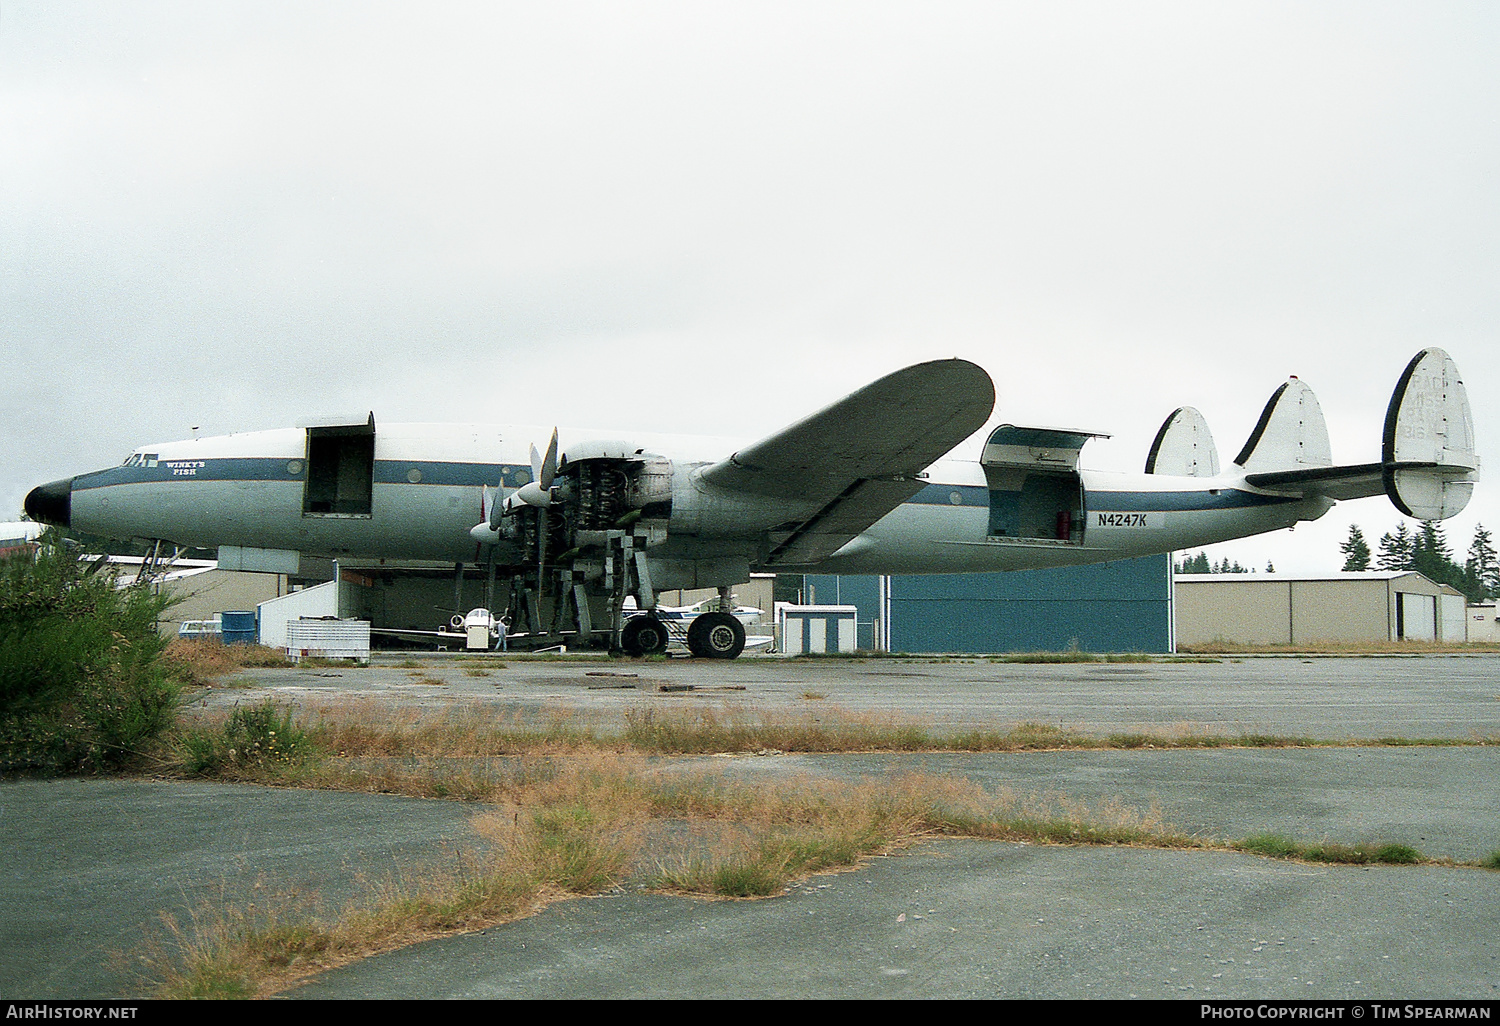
pixel 340 470
pixel 1036 494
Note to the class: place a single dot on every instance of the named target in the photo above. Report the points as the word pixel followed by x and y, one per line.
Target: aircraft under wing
pixel 851 512
pixel 860 458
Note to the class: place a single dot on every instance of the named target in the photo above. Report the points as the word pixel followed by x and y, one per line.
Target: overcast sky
pixel 717 217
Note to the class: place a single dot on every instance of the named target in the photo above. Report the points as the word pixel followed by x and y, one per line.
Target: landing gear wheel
pixel 716 636
pixel 643 636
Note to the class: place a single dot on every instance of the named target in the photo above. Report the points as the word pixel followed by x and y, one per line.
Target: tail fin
pixel 1184 447
pixel 1290 435
pixel 1429 423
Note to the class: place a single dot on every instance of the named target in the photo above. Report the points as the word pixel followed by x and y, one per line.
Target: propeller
pixel 537 491
pixel 482 533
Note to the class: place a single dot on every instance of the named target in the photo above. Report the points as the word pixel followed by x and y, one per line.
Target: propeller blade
pixel 549 465
pixel 537 491
pixel 498 509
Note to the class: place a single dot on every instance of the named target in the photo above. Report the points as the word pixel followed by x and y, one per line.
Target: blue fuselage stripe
pixel 508 475
pixel 1148 502
pixel 260 468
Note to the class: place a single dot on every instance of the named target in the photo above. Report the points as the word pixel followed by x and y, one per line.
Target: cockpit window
pixel 141 459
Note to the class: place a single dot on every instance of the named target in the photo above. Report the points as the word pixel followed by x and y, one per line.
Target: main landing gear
pixel 644 636
pixel 716 635
pixel 712 635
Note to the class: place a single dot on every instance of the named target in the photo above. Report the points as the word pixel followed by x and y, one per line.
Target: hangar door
pixel 1416 617
pixel 1454 621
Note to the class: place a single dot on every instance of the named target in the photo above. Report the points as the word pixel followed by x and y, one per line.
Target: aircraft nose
pixel 51 503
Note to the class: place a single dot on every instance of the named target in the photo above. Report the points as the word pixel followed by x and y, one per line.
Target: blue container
pixel 238 627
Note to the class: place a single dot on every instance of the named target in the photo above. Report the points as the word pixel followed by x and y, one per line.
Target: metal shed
pixel 1276 609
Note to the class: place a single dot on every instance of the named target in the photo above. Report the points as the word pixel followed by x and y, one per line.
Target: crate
pixel 328 639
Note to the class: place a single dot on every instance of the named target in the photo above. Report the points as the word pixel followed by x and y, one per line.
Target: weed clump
pixel 259 741
pixel 199 661
pixel 1280 846
pixel 82 685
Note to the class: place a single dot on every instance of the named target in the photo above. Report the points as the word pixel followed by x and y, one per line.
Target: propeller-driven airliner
pixel 862 487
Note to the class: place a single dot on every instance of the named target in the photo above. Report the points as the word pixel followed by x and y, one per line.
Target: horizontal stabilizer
pixel 1290 434
pixel 1429 463
pixel 1184 447
pixel 1354 482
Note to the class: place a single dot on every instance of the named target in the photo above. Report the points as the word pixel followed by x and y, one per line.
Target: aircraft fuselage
pixel 427 485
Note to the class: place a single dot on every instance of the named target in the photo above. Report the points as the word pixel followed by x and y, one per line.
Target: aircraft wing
pixel 1352 482
pixel 860 458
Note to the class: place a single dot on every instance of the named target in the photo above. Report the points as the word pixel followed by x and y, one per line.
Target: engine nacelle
pixel 614 486
pixel 604 489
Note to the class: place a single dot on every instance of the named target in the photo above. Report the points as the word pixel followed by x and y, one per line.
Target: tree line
pixel 1200 564
pixel 1426 551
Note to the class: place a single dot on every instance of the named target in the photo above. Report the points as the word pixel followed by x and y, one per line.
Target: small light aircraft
pixel 478 630
pixel 861 487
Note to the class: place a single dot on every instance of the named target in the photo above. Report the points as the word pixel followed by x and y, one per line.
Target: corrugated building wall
pixel 1122 606
pixel 1343 608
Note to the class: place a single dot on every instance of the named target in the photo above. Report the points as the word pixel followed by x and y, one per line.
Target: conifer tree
pixel 1396 550
pixel 1356 551
pixel 1482 568
pixel 1432 557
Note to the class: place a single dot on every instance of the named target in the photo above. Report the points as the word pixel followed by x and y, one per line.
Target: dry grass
pixel 240 950
pixel 201 661
pixel 573 808
pixel 370 730
pixel 575 825
pixel 426 679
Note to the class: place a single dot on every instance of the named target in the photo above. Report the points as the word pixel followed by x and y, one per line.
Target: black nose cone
pixel 51 503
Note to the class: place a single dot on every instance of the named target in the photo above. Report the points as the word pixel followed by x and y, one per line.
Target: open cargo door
pixel 1036 493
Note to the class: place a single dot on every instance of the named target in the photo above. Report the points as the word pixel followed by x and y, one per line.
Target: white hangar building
pixel 1276 609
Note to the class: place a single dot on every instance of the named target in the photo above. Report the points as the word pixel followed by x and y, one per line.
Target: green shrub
pixel 82 688
pixel 258 740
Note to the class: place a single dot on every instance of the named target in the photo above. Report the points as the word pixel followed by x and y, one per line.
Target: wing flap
pixel 829 529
